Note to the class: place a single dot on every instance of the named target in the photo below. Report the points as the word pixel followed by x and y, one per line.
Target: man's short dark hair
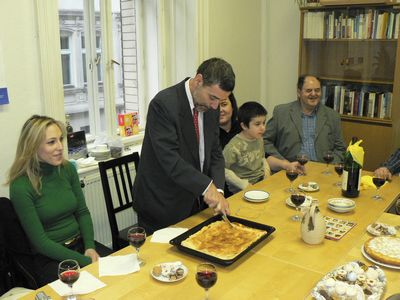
pixel 250 110
pixel 217 71
pixel 302 78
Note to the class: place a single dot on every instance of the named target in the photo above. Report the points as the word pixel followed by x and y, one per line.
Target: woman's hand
pixel 94 256
pixel 383 172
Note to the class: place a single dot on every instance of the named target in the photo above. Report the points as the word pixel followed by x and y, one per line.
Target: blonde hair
pixel 26 160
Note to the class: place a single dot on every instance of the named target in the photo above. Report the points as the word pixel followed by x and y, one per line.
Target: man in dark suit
pixel 181 169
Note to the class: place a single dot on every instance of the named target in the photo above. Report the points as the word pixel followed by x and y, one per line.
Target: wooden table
pixel 282 267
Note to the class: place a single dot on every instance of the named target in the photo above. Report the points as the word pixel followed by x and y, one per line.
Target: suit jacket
pixel 169 179
pixel 284 134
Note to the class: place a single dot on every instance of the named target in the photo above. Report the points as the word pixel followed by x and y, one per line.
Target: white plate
pixel 306 202
pixel 309 187
pixel 341 209
pixel 377 262
pixel 167 266
pixel 256 196
pixel 341 202
pixel 375 232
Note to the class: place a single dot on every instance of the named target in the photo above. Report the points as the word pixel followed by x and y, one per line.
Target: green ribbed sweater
pixel 55 216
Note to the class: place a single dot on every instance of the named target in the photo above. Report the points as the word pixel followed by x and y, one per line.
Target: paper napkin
pixel 86 284
pixel 166 234
pixel 118 265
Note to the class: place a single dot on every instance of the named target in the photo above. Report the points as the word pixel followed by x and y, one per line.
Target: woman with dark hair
pixel 46 194
pixel 228 124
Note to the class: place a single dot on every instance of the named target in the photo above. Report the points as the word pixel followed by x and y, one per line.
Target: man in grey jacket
pixel 304 126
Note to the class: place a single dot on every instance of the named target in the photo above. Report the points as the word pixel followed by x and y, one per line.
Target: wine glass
pixel 297 199
pixel 136 237
pixel 206 276
pixel 328 158
pixel 339 171
pixel 302 158
pixel 291 174
pixel 68 272
pixel 378 180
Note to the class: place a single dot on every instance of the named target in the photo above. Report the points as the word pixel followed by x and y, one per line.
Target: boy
pixel 244 154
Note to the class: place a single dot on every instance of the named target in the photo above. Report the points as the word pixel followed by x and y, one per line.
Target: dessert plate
pixel 256 196
pixel 351 281
pixel 341 202
pixel 378 229
pixel 169 271
pixel 309 187
pixel 306 203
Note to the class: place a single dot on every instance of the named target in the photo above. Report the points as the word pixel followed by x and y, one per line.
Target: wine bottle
pixel 351 177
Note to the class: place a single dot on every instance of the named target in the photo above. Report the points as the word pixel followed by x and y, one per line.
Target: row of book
pixel 357 24
pixel 357 102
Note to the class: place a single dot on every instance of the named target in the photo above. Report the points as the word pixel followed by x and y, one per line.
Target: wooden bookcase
pixel 358 61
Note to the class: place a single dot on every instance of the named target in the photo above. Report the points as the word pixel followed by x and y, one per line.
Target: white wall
pixel 18 41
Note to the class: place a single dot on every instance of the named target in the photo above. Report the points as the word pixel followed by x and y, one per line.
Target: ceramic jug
pixel 313 225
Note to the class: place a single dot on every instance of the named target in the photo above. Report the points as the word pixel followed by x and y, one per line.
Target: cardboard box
pixel 128 124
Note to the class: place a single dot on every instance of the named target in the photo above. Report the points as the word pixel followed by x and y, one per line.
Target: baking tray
pixel 224 262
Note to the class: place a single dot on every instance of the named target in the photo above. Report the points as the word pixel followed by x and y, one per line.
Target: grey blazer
pixel 169 179
pixel 284 134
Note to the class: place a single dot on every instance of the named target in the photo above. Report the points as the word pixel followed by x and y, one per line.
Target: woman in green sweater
pixel 46 194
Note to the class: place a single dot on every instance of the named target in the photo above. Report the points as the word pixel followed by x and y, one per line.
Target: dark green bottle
pixel 351 177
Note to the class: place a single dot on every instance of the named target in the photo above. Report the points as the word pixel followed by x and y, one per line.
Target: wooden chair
pixel 121 198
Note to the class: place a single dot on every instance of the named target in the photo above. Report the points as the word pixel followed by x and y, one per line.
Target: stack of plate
pixel 341 205
pixel 100 154
pixel 256 196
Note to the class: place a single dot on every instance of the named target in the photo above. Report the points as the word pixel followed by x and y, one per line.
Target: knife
pixel 225 218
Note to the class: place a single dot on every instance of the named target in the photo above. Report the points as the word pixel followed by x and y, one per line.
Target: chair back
pixel 120 168
pixel 17 244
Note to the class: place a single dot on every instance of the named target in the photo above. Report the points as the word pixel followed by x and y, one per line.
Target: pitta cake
pixel 384 249
pixel 221 240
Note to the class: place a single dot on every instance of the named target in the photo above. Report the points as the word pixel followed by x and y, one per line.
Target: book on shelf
pixel 358 24
pixel 353 100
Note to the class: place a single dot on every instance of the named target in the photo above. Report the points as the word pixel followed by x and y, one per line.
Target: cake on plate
pixel 384 249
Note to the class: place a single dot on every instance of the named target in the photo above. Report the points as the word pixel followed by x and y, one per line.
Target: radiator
pixel 93 192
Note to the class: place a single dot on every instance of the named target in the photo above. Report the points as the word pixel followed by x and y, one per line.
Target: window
pixel 84 78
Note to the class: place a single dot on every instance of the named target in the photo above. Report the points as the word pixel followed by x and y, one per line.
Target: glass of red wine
pixel 137 237
pixel 378 181
pixel 206 276
pixel 302 158
pixel 297 199
pixel 68 272
pixel 328 158
pixel 291 174
pixel 339 171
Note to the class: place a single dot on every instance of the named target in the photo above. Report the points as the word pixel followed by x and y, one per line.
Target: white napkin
pixel 118 265
pixel 166 234
pixel 86 284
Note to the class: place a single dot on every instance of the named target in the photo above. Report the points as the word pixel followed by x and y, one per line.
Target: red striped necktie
pixel 196 123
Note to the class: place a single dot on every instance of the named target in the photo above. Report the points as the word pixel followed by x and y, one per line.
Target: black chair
pixel 122 189
pixel 16 247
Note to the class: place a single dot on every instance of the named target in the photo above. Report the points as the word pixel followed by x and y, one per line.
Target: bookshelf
pixel 354 50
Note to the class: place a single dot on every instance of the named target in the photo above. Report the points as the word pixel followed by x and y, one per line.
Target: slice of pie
pixel 221 240
pixel 385 249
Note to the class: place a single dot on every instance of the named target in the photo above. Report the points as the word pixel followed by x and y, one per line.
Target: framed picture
pixel 77 147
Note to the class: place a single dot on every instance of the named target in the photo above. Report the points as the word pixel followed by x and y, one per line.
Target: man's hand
pixel 216 200
pixel 383 172
pixel 94 256
pixel 297 166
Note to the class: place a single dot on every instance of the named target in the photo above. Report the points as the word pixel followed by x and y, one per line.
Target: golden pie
pixel 384 249
pixel 221 240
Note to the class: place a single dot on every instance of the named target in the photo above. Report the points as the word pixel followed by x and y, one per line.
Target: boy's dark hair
pixel 217 71
pixel 250 110
pixel 302 78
